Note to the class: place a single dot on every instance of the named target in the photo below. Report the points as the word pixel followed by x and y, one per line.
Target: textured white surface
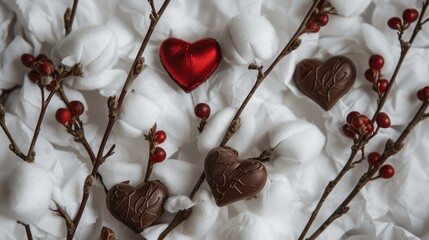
pixel 302 163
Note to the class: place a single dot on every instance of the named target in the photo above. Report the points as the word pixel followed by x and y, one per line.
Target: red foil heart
pixel 190 64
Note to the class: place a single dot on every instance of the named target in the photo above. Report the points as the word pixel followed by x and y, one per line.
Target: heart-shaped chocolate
pixel 325 82
pixel 190 64
pixel 137 207
pixel 231 180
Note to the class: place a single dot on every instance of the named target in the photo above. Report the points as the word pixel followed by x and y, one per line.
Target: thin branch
pixel 27 230
pixel 69 17
pixel 79 135
pixel 363 141
pixel 31 154
pixel 114 107
pixel 61 213
pixel 404 50
pixel 391 149
pixel 13 146
pixel 292 45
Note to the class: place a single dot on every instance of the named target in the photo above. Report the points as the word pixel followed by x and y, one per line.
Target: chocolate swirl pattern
pixel 325 83
pixel 139 207
pixel 231 180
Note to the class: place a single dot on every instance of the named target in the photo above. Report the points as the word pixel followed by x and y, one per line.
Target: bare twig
pixel 392 148
pixel 69 17
pixel 405 46
pixel 114 107
pixel 61 213
pixel 292 45
pixel 31 153
pixel 79 134
pixel 13 146
pixel 360 144
pixel 27 230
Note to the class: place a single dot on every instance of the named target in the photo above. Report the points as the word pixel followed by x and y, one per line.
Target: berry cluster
pixel 154 137
pixel 316 21
pixel 408 16
pixel 319 19
pixel 158 154
pixel 358 125
pixel 65 115
pixel 41 69
pixel 373 74
pixel 386 171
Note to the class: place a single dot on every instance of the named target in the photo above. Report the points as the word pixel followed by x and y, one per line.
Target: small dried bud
pixel 253 65
pixel 2 111
pixel 88 184
pixel 67 15
pixel 296 44
pixel 236 125
pixel 112 104
pixel 139 66
pixel 77 70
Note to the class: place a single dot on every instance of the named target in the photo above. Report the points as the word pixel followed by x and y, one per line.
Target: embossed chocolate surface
pixel 325 82
pixel 137 207
pixel 231 180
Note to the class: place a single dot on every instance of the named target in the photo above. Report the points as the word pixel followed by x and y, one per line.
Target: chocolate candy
pixel 231 180
pixel 325 82
pixel 107 234
pixel 137 207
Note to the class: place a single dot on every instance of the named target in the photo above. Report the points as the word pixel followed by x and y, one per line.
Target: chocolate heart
pixel 190 64
pixel 325 82
pixel 231 180
pixel 137 207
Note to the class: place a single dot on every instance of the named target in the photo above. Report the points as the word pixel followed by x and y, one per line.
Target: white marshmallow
pixel 28 192
pixel 297 142
pixel 95 48
pixel 249 37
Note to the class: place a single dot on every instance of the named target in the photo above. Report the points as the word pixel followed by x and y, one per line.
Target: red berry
pixel 351 116
pixel 395 23
pixel 383 120
pixel 63 116
pixel 423 94
pixel 321 19
pixel 45 67
pixel 382 85
pixel 41 56
pixel 357 123
pixel 410 15
pixel 313 27
pixel 347 131
pixel 202 110
pixel 376 62
pixel 52 85
pixel 158 155
pixel 76 108
pixel 373 158
pixel 372 75
pixel 386 171
pixel 160 136
pixel 369 128
pixel 34 76
pixel 365 119
pixel 27 59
